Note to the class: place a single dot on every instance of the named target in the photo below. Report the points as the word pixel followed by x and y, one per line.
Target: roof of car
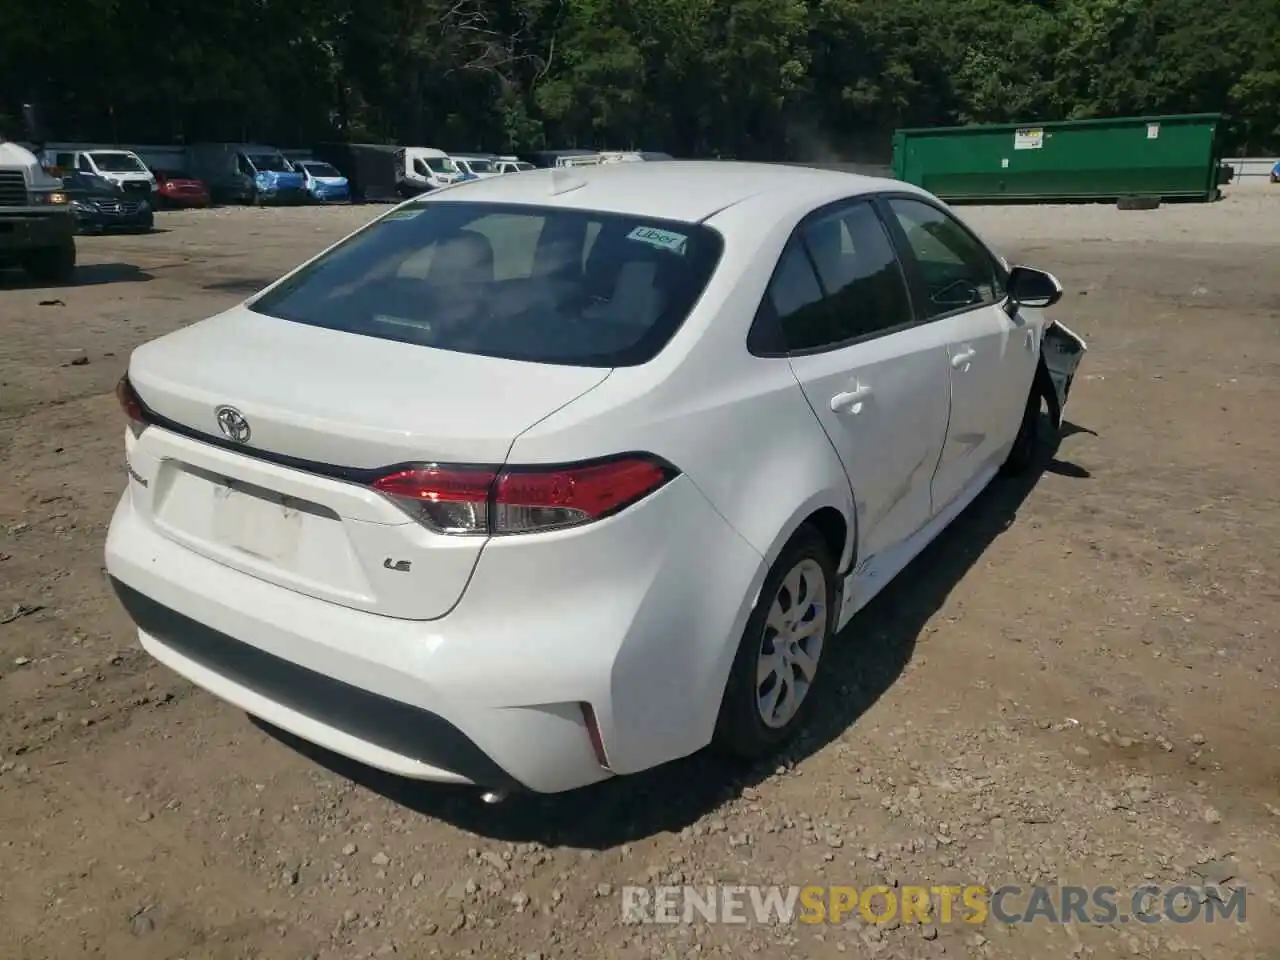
pixel 683 190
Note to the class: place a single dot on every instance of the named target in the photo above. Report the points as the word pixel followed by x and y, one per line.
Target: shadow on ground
pixel 87 233
pixel 245 285
pixel 862 665
pixel 86 275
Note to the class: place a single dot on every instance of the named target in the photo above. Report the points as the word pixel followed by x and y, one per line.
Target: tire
pixel 1138 203
pixel 1026 444
pixel 741 728
pixel 51 264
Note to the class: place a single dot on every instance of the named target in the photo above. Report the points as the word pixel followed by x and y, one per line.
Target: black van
pixel 370 169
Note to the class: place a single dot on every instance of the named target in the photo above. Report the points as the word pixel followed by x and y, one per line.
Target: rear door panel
pixel 889 442
pixel 876 381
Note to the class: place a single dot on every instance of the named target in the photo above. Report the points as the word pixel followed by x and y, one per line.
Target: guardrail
pixel 1250 168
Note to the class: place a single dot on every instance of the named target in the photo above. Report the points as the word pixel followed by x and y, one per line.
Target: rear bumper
pixel 33 230
pixel 643 631
pixel 335 712
pixel 185 200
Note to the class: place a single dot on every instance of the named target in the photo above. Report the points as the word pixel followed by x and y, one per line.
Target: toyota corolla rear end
pixel 323 524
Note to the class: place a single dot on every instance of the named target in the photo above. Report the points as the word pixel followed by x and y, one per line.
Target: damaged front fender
pixel 1060 354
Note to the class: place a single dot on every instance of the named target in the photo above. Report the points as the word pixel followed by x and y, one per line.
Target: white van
pixel 512 165
pixel 124 168
pixel 479 165
pixel 621 156
pixel 424 168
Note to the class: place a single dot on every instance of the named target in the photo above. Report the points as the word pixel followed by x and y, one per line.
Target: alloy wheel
pixel 791 645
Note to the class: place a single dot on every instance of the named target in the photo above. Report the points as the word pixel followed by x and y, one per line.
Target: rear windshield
pixel 533 283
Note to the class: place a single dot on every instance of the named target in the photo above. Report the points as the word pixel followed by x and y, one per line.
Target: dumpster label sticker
pixel 1004 163
pixel 1028 138
pixel 1153 131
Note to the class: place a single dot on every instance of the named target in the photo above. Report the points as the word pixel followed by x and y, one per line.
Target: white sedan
pixel 539 480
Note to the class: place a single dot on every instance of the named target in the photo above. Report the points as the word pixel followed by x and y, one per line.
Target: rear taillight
pixel 446 499
pixel 489 501
pixel 131 404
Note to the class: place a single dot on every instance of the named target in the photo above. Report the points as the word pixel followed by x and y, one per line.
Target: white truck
pixel 37 225
pixel 420 169
pixel 510 164
pixel 122 168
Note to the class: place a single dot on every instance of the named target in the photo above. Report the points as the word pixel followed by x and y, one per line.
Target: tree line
pixel 759 79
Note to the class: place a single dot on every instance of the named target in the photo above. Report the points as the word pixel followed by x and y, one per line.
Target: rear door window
pixel 839 281
pixel 517 281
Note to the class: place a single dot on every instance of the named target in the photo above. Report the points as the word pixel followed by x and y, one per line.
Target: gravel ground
pixel 1075 685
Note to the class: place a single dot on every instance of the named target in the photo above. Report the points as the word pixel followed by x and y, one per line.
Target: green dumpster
pixel 1173 157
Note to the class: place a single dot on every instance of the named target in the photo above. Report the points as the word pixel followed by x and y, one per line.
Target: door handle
pixel 856 395
pixel 962 358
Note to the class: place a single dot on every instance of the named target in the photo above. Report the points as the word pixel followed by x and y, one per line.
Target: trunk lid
pixel 326 411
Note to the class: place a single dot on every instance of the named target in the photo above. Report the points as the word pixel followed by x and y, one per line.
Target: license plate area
pixel 263 524
pixel 312 535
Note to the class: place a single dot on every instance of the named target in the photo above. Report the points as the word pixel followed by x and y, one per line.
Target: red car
pixel 178 190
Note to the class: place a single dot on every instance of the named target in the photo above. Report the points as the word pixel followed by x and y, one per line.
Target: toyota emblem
pixel 232 424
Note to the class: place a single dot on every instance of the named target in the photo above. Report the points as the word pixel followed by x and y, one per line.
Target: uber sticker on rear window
pixel 664 239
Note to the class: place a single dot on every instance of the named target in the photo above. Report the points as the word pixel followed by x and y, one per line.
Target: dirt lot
pixel 1076 685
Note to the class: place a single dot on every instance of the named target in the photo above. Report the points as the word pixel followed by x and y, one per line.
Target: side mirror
pixel 1029 287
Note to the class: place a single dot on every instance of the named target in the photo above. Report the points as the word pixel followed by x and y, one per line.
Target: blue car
pixel 323 183
pixel 1275 173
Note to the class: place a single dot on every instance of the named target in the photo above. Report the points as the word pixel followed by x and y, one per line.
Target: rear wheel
pixel 779 657
pixel 51 264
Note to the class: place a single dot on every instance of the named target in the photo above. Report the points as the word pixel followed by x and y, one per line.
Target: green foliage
pixel 748 78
